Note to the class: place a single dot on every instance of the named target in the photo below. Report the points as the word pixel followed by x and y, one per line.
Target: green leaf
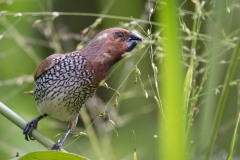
pixel 51 155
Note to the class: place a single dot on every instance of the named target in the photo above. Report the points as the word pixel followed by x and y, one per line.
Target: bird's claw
pixel 57 146
pixel 27 131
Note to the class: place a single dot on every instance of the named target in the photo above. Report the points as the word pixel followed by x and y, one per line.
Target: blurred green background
pixel 27 39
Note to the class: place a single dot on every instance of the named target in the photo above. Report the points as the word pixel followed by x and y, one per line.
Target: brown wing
pixel 45 65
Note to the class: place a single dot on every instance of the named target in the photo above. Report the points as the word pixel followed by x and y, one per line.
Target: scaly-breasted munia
pixel 65 81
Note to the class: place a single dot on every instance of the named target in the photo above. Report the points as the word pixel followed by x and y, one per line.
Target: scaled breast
pixel 67 84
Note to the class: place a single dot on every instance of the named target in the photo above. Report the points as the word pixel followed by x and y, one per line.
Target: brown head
pixel 111 43
pixel 107 48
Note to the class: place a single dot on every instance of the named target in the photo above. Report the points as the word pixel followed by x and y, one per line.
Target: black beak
pixel 133 40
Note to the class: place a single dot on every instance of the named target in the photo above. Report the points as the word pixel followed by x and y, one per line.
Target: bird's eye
pixel 119 34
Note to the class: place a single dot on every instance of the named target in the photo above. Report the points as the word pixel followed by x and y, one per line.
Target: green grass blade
pixel 223 98
pixel 172 128
pixel 230 152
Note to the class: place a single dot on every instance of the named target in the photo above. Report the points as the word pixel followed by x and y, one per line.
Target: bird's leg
pixel 27 131
pixel 60 142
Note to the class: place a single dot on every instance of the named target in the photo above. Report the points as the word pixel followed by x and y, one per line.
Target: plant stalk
pixel 20 122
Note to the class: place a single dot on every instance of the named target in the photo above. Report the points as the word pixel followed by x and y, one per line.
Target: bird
pixel 63 82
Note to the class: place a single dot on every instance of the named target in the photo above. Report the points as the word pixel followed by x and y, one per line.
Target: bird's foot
pixel 57 146
pixel 27 131
pixel 60 143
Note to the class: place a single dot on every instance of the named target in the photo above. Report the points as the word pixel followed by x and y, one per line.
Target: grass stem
pixel 20 122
